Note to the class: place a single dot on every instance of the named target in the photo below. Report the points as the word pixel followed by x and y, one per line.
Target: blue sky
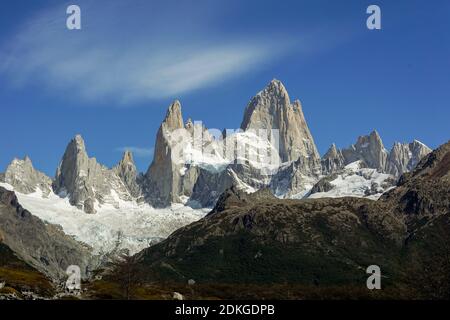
pixel 113 80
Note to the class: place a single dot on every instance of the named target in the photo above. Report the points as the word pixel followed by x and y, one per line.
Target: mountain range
pixel 220 204
pixel 309 246
pixel 199 180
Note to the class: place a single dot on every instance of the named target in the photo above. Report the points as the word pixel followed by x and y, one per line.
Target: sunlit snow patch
pixel 356 181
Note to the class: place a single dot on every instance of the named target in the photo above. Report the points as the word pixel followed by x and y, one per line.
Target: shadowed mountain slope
pixel 322 242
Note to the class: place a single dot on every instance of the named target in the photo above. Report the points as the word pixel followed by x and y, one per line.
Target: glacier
pixel 355 180
pixel 131 225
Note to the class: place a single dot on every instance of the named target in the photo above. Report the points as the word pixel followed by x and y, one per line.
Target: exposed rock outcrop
pixel 209 186
pixel 332 161
pixel 25 179
pixel 369 149
pixel 164 177
pixel 249 160
pixel 14 270
pixel 127 172
pixel 272 109
pixel 354 180
pixel 404 157
pixel 296 178
pixel 85 181
pixel 205 177
pixel 297 164
pixel 41 245
pixel 424 193
pixel 194 166
pixel 260 239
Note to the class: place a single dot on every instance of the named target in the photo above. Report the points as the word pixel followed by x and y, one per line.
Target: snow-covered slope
pixel 132 226
pixel 353 181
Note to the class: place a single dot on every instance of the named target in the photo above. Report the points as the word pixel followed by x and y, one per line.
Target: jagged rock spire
pixel 405 156
pixel 370 149
pixel 162 180
pixel 274 95
pixel 332 160
pixel 25 178
pixel 128 157
pixel 74 174
pixel 271 109
pixel 85 181
pixel 127 172
pixel 174 118
pixel 332 152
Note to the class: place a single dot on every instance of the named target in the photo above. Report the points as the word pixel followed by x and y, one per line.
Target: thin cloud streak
pixel 96 65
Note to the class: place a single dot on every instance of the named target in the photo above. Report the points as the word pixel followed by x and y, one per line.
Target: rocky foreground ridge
pixel 43 246
pixel 259 239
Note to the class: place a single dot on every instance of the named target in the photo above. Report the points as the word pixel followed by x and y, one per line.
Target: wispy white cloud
pixel 152 62
pixel 138 151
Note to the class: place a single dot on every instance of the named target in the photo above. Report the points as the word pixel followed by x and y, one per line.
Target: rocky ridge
pixel 370 149
pixel 272 109
pixel 320 242
pixel 22 175
pixel 192 166
pixel 86 182
pixel 41 245
pixel 126 170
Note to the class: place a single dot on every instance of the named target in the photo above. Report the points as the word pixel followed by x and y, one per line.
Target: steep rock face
pixel 272 109
pixel 369 149
pixel 187 163
pixel 294 179
pixel 41 245
pixel 85 181
pixel 164 178
pixel 354 180
pixel 13 270
pixel 127 172
pixel 209 186
pixel 424 193
pixel 287 162
pixel 25 179
pixel 250 238
pixel 404 157
pixel 365 169
pixel 190 164
pixel 332 161
pixel 332 241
